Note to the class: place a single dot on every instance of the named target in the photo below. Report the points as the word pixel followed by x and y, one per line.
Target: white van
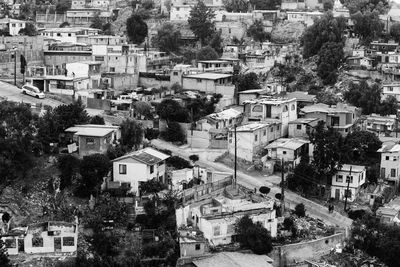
pixel 29 89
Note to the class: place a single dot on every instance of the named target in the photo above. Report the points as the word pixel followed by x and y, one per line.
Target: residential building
pixel 347 182
pixel 391 89
pixel 384 47
pixel 83 17
pixel 224 119
pixel 267 108
pixel 12 26
pixel 67 34
pixel 231 29
pixel 216 216
pixel 342 117
pixel 59 54
pixel 380 124
pixel 48 237
pixel 207 82
pixel 360 62
pixel 390 212
pixel 101 39
pixel 81 4
pixel 288 149
pixel 303 98
pixel 251 94
pixel 50 20
pixel 303 16
pixel 302 127
pixel 251 138
pixel 92 139
pixel 390 158
pixel 139 166
pixel 215 66
pixel 301 4
pixel 89 69
pixel 191 242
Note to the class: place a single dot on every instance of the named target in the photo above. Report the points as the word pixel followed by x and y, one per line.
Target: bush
pixel 178 162
pixel 300 210
pixel 288 223
pixel 173 133
pixel 264 190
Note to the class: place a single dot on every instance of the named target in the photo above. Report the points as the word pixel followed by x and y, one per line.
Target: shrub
pixel 300 210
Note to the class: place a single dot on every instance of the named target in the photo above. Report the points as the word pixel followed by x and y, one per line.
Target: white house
pixel 216 217
pixel 13 26
pixel 302 127
pixel 288 149
pixel 349 176
pixel 390 161
pixel 267 108
pixel 391 89
pixel 377 123
pixel 139 166
pixel 252 137
pixel 208 82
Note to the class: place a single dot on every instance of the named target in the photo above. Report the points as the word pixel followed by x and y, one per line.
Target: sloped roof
pixel 389 147
pixel 234 259
pixel 288 143
pixel 90 131
pixel 225 114
pixel 148 156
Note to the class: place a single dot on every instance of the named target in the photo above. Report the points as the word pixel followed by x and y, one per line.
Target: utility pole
pixel 235 173
pixel 282 187
pixel 15 66
pixel 347 190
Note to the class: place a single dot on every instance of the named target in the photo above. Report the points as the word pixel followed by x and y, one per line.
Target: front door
pixel 57 244
pixel 337 194
pixel 383 173
pixel 21 245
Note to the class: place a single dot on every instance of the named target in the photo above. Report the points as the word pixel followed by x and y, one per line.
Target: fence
pixel 198 192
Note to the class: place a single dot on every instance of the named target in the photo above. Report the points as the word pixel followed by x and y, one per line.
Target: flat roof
pixel 252 126
pixel 354 168
pixel 213 61
pixel 304 120
pixel 225 114
pixel 234 259
pixel 95 132
pixel 288 143
pixel 208 76
pixel 323 108
pixel 270 100
pixel 252 91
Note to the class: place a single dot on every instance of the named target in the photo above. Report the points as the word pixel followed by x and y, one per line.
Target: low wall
pixel 292 254
pixel 98 104
pixel 198 139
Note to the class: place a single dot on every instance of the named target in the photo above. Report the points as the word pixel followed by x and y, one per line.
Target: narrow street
pixel 206 158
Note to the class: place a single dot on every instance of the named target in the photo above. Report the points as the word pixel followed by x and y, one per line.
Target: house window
pixel 277 128
pixel 112 69
pixel 387 157
pixel 217 230
pixel 255 137
pixel 175 73
pixel 11 243
pixel 68 241
pixel 298 126
pixel 339 178
pixel 284 152
pixel 392 172
pixel 293 107
pixel 230 229
pixel 37 242
pixel 257 109
pixel 90 141
pixel 349 179
pixel 198 80
pixel 151 168
pixel 347 193
pixel 391 89
pixel 197 247
pixel 272 129
pixel 122 168
pixel 98 58
pixel 265 132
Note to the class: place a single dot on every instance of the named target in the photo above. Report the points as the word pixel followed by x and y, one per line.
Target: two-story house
pixel 139 166
pixel 209 82
pixel 341 117
pixel 267 108
pixel 12 26
pixel 302 127
pixel 288 149
pixel 252 137
pixel 391 89
pixel 347 182
pixel 380 124
pixel 390 161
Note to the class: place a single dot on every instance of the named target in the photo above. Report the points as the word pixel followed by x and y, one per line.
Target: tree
pixel 168 38
pixel 148 4
pixel 194 158
pixel 363 6
pixel 4 260
pixel 29 30
pixel 253 235
pixel 257 32
pixel 98 120
pixel 151 187
pixel 395 31
pixel 300 210
pixel 328 5
pixel 368 25
pixel 97 22
pixel 200 21
pixel 170 110
pixel 368 98
pixel 216 42
pixel 62 6
pixel 389 106
pixel 136 29
pixel 143 109
pixel 247 81
pixel 236 6
pixel 68 165
pixel 64 24
pixel 92 169
pixel 66 116
pixel 324 30
pixel 173 133
pixel 330 57
pixel 131 134
pixel 362 145
pixel 265 4
pixel 328 144
pixel 207 53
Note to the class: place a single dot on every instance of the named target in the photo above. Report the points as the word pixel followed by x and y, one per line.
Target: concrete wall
pixel 290 254
pixel 98 104
pixel 198 139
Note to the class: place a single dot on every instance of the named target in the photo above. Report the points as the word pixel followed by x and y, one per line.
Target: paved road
pixel 291 199
pixel 13 93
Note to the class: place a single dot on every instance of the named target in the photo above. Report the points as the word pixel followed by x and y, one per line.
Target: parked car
pixel 31 90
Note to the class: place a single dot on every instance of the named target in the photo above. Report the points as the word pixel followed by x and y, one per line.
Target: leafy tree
pixel 178 162
pixel 136 29
pixel 131 134
pixel 151 187
pixel 300 210
pixel 216 42
pixel 200 21
pixel 236 6
pixel 173 133
pixel 29 30
pixel 389 106
pixel 99 120
pixel 324 30
pixel 247 81
pixel 92 169
pixel 253 235
pixel 114 152
pixel 148 4
pixel 363 6
pixel 330 57
pixel 194 158
pixel 328 5
pixel 4 260
pixel 257 32
pixel 97 22
pixel 266 4
pixel 362 145
pixel 207 53
pixel 288 223
pixel 62 6
pixel 66 116
pixel 170 110
pixel 368 98
pixel 144 109
pixel 69 167
pixel 64 24
pixel 395 31
pixel 168 38
pixel 328 144
pixel 368 25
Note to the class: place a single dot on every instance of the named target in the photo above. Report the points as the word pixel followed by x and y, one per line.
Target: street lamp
pixel 15 65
